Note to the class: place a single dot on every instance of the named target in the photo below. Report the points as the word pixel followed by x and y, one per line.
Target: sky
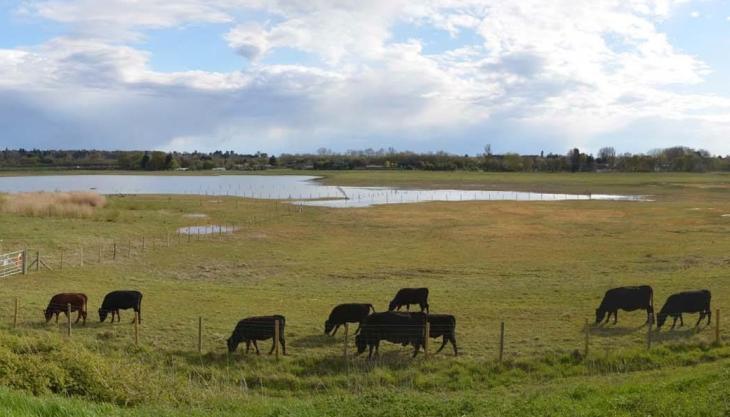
pixel 424 75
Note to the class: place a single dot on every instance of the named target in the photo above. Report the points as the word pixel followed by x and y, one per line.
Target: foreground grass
pixel 540 267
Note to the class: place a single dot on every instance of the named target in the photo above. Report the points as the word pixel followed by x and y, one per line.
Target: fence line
pixel 422 329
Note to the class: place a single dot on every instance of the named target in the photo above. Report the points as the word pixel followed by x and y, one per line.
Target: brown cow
pixel 59 304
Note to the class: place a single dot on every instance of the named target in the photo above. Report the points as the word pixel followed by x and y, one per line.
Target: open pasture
pixel 541 267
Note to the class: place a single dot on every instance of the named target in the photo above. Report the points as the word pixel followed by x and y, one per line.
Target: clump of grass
pixel 56 204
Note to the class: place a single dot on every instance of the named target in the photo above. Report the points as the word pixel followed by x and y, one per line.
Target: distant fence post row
pixel 26 261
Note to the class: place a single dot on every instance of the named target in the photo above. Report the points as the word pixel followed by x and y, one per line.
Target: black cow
pixel 686 302
pixel 121 300
pixel 347 313
pixel 627 299
pixel 408 296
pixel 402 328
pixel 251 329
pixel 443 325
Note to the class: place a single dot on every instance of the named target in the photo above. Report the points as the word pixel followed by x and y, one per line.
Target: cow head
pixel 49 315
pixel 328 326
pixel 661 318
pixel 392 306
pixel 102 315
pixel 360 343
pixel 600 315
pixel 232 343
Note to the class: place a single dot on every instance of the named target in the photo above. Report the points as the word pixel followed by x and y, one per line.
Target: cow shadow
pixel 614 331
pixel 678 333
pixel 338 364
pixel 319 340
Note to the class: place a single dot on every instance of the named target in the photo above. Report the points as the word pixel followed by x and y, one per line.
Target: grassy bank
pixel 539 267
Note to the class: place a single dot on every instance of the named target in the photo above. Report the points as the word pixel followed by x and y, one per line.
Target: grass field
pixel 540 267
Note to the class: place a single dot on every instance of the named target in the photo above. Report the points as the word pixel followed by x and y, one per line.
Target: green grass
pixel 540 267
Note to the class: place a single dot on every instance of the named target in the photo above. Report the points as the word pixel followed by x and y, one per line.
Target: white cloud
pixel 576 70
pixel 695 14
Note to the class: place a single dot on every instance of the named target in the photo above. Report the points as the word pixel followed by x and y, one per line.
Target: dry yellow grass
pixel 58 204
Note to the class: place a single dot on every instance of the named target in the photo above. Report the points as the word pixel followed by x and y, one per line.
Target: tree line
pixel 674 159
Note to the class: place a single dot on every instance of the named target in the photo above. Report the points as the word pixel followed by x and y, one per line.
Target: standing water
pixel 299 189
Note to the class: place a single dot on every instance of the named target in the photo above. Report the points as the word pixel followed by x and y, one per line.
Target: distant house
pixel 181 169
pixel 219 169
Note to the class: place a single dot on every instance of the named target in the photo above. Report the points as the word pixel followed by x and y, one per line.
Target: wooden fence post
pixel 588 335
pixel 200 334
pixel 427 334
pixel 501 341
pixel 136 328
pixel 114 252
pixel 276 339
pixel 68 319
pixel 717 326
pixel 346 336
pixel 25 261
pixel 15 314
pixel 648 336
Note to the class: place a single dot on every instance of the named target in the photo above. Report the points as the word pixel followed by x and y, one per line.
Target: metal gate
pixel 12 263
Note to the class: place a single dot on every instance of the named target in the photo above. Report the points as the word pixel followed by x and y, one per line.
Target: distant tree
pixel 145 161
pixel 574 160
pixel 488 149
pixel 272 161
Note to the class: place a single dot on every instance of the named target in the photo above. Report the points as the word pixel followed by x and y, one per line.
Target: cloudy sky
pixel 296 75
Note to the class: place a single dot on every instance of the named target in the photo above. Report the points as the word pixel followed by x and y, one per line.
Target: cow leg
pixel 273 345
pixel 282 341
pixel 256 345
pixel 416 345
pixel 335 331
pixel 615 317
pixel 408 307
pixel 709 316
pixel 56 317
pixel 445 340
pixel 453 343
pixel 674 323
pixel 370 351
pixel 78 318
pixel 248 346
pixel 681 320
pixel 702 316
pixel 357 331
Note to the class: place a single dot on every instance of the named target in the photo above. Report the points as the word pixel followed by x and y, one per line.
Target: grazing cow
pixel 402 328
pixel 686 302
pixel 251 329
pixel 443 325
pixel 59 304
pixel 347 313
pixel 408 296
pixel 121 300
pixel 627 299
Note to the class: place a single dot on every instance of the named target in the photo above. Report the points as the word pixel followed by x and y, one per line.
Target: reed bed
pixel 53 204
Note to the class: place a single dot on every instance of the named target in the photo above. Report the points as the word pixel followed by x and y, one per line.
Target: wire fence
pixel 501 342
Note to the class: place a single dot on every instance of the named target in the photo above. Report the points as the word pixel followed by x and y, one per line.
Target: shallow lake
pixel 299 189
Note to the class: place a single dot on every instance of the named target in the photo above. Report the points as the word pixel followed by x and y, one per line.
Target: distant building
pixel 219 169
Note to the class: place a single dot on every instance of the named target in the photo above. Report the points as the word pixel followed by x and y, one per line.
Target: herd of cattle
pixel 642 298
pixel 403 328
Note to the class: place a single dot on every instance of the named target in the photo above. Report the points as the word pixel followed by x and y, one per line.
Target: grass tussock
pixel 53 204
